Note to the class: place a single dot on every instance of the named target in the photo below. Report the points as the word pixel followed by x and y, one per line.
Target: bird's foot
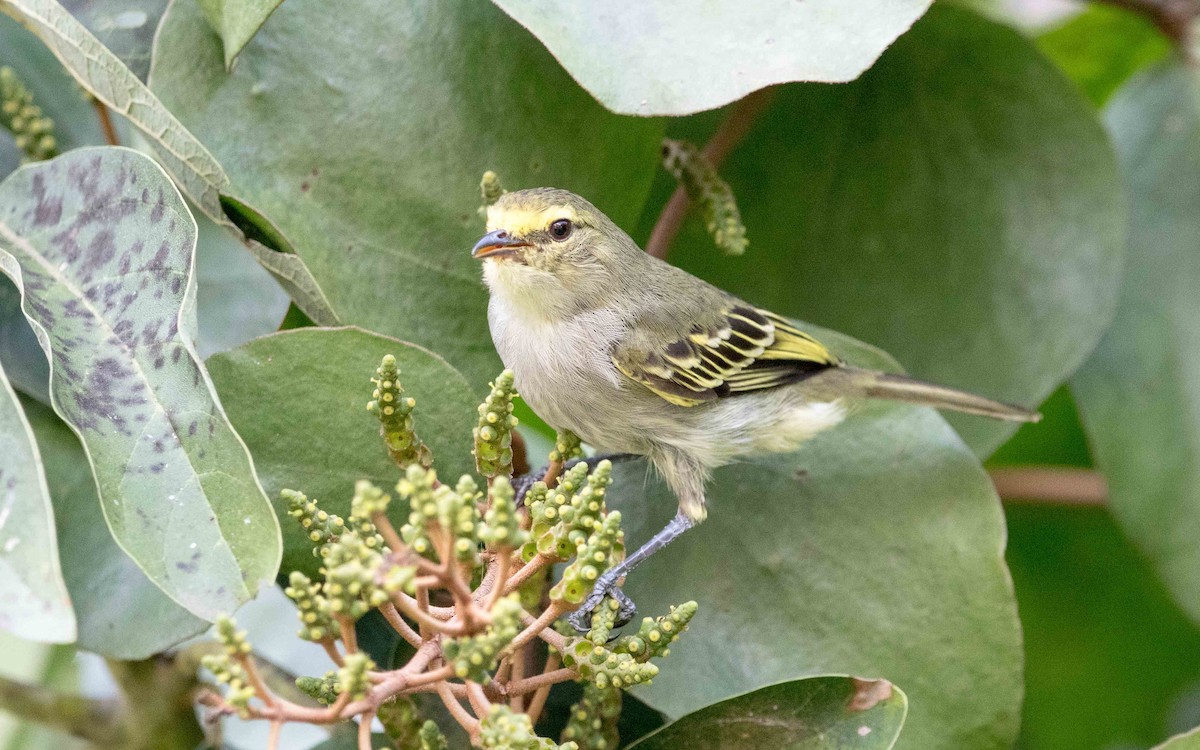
pixel 581 619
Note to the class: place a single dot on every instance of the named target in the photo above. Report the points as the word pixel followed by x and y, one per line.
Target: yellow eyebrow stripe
pixel 520 222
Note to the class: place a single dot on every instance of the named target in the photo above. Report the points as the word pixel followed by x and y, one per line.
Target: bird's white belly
pixel 564 371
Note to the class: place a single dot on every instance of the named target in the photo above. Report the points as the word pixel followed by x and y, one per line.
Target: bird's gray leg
pixel 581 619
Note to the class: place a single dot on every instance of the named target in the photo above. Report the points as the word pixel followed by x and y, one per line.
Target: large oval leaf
pixel 107 78
pixel 298 399
pixel 817 713
pixel 121 613
pixel 673 57
pixel 371 162
pixel 34 603
pixel 237 21
pixel 958 206
pixel 1139 394
pixel 101 245
pixel 877 550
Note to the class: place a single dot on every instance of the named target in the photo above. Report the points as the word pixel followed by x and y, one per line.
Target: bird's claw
pixel 581 619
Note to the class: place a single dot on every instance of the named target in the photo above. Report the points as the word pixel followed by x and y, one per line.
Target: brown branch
pixel 97 721
pixel 364 730
pixel 256 680
pixel 1172 17
pixel 399 625
pixel 273 735
pixel 545 632
pixel 479 702
pixel 1050 485
pixel 332 652
pixel 349 637
pixel 538 702
pixel 540 628
pixel 516 580
pixel 106 123
pixel 728 135
pixel 543 680
pixel 460 714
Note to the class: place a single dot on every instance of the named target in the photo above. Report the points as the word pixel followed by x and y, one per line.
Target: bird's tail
pixel 902 388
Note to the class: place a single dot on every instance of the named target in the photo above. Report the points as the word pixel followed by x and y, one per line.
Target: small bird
pixel 636 356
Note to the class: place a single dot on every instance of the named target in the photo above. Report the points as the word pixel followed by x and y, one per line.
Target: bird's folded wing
pixel 743 349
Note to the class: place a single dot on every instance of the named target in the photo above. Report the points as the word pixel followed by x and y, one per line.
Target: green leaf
pixel 125 27
pixel 1188 741
pixel 817 713
pixel 371 163
pixel 106 77
pixel 298 399
pixel 121 613
pixel 36 603
pixel 1139 394
pixel 1097 621
pixel 53 90
pixel 876 550
pixel 237 300
pixel 958 206
pixel 187 160
pixel 1100 48
pixel 676 58
pixel 237 21
pixel 101 245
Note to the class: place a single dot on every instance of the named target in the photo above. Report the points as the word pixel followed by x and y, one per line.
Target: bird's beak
pixel 497 244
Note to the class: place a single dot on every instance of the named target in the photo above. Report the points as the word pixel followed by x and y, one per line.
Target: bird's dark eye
pixel 561 229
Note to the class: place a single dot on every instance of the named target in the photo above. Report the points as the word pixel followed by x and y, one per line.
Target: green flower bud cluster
pixel 567 446
pixel 323 690
pixel 604 668
pixel 366 501
pixel 394 411
pixel 352 677
pixel 315 622
pixel 501 528
pixel 493 434
pixel 604 619
pixel 356 579
pixel 490 189
pixel 432 504
pixel 474 657
pixel 656 635
pixel 417 486
pixel 32 131
pixel 564 520
pixel 502 729
pixel 402 722
pixel 231 674
pixel 432 737
pixel 595 555
pixel 320 526
pixel 593 721
pixel 712 194
pixel 227 667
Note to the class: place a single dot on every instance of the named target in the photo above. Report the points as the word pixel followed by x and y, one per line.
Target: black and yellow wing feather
pixel 745 349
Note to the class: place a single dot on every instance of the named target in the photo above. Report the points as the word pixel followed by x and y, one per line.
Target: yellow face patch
pixel 520 222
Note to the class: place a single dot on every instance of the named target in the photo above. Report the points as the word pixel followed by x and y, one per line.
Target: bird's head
pixel 550 251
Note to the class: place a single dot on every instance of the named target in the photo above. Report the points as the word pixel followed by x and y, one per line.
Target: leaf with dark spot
pixel 816 713
pixel 200 491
